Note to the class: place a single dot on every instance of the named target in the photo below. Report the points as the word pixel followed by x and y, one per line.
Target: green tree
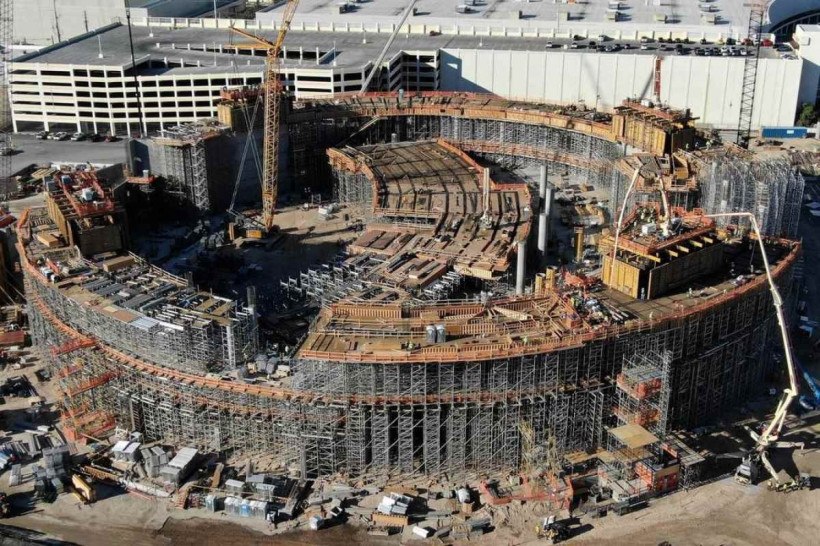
pixel 807 116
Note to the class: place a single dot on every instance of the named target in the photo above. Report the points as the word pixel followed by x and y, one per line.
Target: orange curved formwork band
pixel 467 105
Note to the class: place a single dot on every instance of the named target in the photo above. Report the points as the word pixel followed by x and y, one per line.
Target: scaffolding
pixel 644 391
pixel 771 190
pixel 509 132
pixel 180 155
pixel 369 392
pixel 417 418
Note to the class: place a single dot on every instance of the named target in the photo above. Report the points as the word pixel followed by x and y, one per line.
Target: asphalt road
pixel 42 152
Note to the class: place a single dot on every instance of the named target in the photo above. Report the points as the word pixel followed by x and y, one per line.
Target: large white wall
pixel 709 86
pixel 712 88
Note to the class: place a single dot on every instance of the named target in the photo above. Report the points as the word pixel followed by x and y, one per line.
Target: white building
pixel 88 83
pixel 47 22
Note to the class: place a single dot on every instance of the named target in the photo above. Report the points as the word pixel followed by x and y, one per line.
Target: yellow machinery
pixel 260 229
pixel 84 488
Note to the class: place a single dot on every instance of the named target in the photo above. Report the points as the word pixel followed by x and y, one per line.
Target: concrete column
pixel 521 267
pixel 548 210
pixel 579 243
pixel 542 213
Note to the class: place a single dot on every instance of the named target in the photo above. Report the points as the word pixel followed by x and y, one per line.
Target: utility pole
pixel 134 67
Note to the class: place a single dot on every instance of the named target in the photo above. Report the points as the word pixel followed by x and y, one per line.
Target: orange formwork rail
pixel 456 104
pixel 443 354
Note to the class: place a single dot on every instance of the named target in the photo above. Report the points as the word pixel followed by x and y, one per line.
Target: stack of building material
pixel 470 529
pixel 126 451
pixel 235 487
pixel 47 484
pixel 16 475
pixel 56 461
pixel 213 503
pixel 154 459
pixel 179 467
pixel 232 505
pixel 392 510
pixel 245 508
pixel 394 504
pixel 38 442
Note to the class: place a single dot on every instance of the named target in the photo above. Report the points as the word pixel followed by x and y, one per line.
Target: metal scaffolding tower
pixel 772 190
pixel 6 15
pixel 180 156
pixel 644 390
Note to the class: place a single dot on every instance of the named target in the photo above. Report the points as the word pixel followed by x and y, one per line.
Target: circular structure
pixel 411 365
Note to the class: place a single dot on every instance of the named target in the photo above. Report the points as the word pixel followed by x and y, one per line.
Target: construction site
pixel 450 337
pixel 443 314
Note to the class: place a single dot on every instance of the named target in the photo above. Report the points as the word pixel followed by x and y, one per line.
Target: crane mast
pixel 6 14
pixel 273 100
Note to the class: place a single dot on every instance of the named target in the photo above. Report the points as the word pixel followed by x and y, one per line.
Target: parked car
pixel 42 135
pixel 111 138
pixel 62 135
pixel 76 137
pixel 95 137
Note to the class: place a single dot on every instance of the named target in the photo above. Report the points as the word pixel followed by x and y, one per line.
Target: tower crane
pixel 253 228
pixel 6 39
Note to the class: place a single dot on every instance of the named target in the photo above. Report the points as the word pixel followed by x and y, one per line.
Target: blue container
pixel 784 132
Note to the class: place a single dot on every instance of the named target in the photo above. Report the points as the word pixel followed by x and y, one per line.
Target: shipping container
pixel 784 132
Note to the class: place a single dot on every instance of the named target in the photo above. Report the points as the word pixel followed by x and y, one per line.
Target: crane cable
pixel 249 142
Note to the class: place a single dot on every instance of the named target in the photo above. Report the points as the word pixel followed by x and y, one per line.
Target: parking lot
pixel 703 48
pixel 29 150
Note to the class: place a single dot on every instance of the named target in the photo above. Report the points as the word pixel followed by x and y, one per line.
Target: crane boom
pixel 378 62
pixel 273 99
pixel 768 438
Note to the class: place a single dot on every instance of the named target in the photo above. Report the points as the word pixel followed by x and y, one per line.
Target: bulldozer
pixel 552 530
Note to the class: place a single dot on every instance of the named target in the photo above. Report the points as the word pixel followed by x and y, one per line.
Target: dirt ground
pixel 719 513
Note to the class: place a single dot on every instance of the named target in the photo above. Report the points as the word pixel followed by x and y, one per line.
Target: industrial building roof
pixel 730 14
pixel 199 48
